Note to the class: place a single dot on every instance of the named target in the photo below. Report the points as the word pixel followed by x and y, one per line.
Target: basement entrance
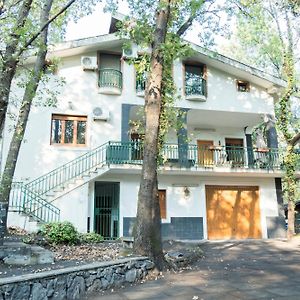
pixel 106 209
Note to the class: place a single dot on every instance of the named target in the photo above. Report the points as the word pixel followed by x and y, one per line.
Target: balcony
pixel 110 82
pixel 193 156
pixel 196 89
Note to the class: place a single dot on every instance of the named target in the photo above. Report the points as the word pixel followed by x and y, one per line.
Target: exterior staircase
pixel 34 199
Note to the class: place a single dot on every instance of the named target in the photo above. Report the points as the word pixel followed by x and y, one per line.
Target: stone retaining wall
pixel 74 282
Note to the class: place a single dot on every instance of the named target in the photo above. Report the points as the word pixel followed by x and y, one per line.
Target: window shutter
pixel 162 203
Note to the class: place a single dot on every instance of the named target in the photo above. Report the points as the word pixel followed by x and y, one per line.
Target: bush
pixel 91 238
pixel 60 233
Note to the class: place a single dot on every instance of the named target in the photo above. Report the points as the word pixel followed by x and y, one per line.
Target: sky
pixel 98 23
pixel 92 25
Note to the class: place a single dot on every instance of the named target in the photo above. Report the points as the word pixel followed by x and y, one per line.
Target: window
pixel 162 203
pixel 243 86
pixel 195 84
pixel 68 130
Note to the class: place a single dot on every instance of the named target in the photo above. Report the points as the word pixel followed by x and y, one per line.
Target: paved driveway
pixel 229 270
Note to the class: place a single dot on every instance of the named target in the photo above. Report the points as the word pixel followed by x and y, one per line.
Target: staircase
pixel 34 198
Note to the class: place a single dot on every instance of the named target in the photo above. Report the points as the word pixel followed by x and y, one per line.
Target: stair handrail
pixel 69 171
pixel 41 213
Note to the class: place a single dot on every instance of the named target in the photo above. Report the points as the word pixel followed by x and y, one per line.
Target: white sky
pixel 92 25
pixel 98 23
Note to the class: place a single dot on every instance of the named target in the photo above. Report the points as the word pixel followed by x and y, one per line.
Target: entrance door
pixel 106 209
pixel 205 153
pixel 233 212
pixel 235 151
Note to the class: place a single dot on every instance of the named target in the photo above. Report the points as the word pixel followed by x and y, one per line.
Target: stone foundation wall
pixel 74 282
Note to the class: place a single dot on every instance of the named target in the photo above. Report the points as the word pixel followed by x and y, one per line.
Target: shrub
pixel 60 233
pixel 91 238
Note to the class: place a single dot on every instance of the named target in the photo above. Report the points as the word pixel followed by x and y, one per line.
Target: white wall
pixel 178 205
pixel 222 94
pixel 79 96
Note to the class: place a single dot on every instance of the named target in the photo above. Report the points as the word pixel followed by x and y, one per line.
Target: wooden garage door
pixel 233 212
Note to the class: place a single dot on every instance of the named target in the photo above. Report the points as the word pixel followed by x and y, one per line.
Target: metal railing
pixel 196 87
pixel 31 197
pixel 16 200
pixel 69 171
pixel 23 200
pixel 38 208
pixel 110 78
pixel 198 156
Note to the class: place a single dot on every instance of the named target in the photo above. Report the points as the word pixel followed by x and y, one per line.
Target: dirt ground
pixel 180 255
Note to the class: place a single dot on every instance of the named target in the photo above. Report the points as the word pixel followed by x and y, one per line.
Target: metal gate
pixel 106 209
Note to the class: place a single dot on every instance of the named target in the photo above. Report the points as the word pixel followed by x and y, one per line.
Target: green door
pixel 106 209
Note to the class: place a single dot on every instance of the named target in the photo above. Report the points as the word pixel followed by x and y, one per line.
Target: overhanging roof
pixel 114 42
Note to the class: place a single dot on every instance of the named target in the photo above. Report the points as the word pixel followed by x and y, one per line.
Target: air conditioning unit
pixel 89 62
pixel 131 52
pixel 100 115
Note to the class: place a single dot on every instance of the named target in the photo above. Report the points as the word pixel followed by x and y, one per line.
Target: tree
pixel 160 24
pixel 18 36
pixel 268 30
pixel 21 39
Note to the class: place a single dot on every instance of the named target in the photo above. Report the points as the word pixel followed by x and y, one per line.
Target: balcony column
pixel 272 139
pixel 182 137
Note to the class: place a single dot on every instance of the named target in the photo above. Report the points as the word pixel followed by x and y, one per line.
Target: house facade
pixel 81 161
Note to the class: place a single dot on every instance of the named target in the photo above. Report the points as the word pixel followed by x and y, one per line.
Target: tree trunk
pixel 291 187
pixel 10 61
pixel 30 91
pixel 147 236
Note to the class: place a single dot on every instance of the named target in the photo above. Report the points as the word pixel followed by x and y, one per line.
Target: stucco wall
pixel 179 205
pixel 80 95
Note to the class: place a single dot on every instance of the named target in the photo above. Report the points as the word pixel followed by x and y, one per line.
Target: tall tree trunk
pixel 10 60
pixel 30 91
pixel 291 187
pixel 147 237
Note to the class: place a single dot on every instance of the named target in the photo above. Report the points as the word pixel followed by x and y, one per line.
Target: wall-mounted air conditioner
pixel 131 52
pixel 100 115
pixel 89 62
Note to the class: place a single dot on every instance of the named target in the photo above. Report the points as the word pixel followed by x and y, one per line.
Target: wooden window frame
pixel 163 212
pixel 64 118
pixel 239 83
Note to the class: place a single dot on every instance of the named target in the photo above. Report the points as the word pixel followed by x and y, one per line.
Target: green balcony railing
pixel 31 197
pixel 110 78
pixel 195 156
pixel 196 86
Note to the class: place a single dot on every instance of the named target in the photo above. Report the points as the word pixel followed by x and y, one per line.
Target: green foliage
pixel 90 238
pixel 60 233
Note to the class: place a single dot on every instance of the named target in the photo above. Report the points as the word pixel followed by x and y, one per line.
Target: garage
pixel 233 212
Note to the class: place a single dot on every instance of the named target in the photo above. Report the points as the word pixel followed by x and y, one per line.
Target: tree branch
pixel 34 37
pixel 185 26
pixel 295 139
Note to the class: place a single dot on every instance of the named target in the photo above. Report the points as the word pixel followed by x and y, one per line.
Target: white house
pixel 81 161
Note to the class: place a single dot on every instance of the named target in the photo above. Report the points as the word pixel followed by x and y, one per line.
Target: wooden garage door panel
pixel 233 212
